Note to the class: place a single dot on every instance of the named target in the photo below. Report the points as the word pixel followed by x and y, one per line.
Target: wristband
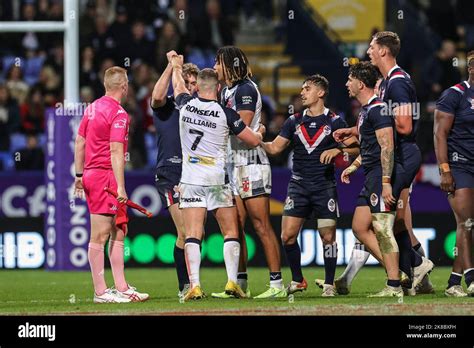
pixel 79 175
pixel 356 165
pixel 444 168
pixel 386 179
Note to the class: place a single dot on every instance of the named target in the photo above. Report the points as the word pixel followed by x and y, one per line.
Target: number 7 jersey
pixel 204 127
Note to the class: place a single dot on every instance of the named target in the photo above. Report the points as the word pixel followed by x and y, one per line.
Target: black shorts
pixel 463 176
pixel 371 194
pixel 411 162
pixel 166 179
pixel 304 202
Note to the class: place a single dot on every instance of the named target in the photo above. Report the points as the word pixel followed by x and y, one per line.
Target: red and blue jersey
pixel 398 89
pixel 372 117
pixel 310 136
pixel 166 120
pixel 458 101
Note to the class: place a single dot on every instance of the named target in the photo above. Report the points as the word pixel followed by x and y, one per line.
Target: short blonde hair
pixel 114 77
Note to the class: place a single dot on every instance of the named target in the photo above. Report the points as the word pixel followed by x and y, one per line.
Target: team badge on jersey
pixel 374 199
pixel 332 205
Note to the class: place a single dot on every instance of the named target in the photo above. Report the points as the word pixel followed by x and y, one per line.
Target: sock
pixel 469 276
pixel 393 283
pixel 405 261
pixel 293 255
pixel 192 252
pixel 181 270
pixel 454 279
pixel 419 249
pixel 242 280
pixel 117 264
pixel 96 262
pixel 231 257
pixel 330 260
pixel 275 280
pixel 358 259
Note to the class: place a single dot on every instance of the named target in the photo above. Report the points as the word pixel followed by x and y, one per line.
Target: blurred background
pixel 285 40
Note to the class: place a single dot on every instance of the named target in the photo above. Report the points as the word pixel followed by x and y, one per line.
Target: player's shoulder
pixel 459 88
pixel 246 86
pixel 376 106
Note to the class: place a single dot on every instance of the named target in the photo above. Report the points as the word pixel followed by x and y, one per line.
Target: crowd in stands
pixel 137 36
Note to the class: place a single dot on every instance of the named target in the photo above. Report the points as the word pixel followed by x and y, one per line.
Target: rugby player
pixel 99 159
pixel 312 187
pixel 376 204
pixel 248 168
pixel 169 158
pixel 398 91
pixel 454 147
pixel 204 131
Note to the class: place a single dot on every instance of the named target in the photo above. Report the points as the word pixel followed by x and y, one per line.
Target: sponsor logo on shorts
pixel 257 184
pixel 332 205
pixel 374 199
pixel 289 203
pixel 245 184
pixel 191 200
pixel 207 161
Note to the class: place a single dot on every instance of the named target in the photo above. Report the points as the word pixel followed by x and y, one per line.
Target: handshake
pixel 175 60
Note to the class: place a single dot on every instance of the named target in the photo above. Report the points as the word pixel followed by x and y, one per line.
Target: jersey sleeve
pixel 378 120
pixel 449 101
pixel 84 123
pixel 234 121
pixel 165 111
pixel 288 129
pixel 182 99
pixel 119 128
pixel 246 98
pixel 400 91
pixel 338 122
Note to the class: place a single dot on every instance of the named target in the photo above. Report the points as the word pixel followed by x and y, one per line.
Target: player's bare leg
pixel 228 223
pixel 258 209
pixel 454 288
pixel 117 263
pixel 383 228
pixel 327 232
pixel 411 263
pixel 290 228
pixel 462 204
pixel 101 228
pixel 193 225
pixel 178 253
pixel 367 244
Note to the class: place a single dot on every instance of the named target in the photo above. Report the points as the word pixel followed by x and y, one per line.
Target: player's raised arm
pixel 159 94
pixel 243 132
pixel 179 85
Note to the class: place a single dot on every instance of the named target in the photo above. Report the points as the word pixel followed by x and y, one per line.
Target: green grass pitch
pixel 37 292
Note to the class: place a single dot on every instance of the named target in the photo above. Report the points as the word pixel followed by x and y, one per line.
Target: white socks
pixel 231 258
pixel 192 251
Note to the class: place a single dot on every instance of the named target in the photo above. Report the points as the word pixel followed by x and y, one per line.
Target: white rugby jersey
pixel 204 127
pixel 244 95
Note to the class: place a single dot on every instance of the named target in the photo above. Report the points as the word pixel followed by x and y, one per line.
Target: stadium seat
pixel 17 142
pixel 32 69
pixel 6 158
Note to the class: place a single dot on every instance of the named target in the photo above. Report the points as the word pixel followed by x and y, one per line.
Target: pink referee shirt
pixel 104 121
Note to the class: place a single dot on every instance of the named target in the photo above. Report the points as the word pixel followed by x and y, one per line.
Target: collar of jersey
pixel 392 70
pixel 325 113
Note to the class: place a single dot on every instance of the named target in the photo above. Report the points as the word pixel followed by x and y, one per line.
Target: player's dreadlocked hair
pixel 235 64
pixel 365 72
